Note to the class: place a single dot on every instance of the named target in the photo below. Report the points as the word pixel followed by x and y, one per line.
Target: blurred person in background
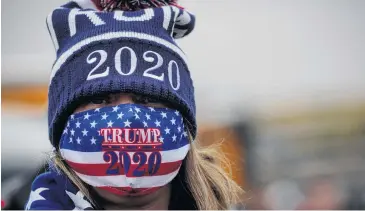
pixel 122 113
pixel 322 194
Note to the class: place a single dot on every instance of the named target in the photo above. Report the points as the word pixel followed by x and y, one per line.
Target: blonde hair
pixel 210 185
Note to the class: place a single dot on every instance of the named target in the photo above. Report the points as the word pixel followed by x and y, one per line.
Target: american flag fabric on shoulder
pixel 54 191
pixel 127 149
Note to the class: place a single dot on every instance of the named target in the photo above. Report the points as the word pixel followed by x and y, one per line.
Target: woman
pixel 122 113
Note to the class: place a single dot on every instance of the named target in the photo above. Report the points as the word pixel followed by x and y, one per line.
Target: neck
pixel 155 205
pixel 158 200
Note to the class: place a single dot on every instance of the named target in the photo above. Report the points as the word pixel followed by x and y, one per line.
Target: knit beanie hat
pixel 100 52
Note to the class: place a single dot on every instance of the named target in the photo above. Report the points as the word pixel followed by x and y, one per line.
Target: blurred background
pixel 280 82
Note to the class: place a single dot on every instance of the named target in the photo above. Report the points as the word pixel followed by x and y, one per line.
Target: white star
pixel 97 110
pixel 115 109
pixel 177 113
pixel 78 140
pixel 136 116
pixel 86 116
pixel 72 116
pixel 79 201
pixel 71 140
pixel 127 123
pixel 157 123
pixel 110 123
pixel 130 110
pixel 93 124
pixel 93 140
pixel 35 196
pixel 161 139
pixel 104 116
pixel 137 110
pixel 167 130
pixel 185 133
pixel 120 115
pixel 148 116
pixel 163 114
pixel 174 138
pixel 84 132
pixel 65 131
pixel 68 124
pixel 145 124
pixel 78 124
pixel 151 109
pixel 179 129
pixel 173 120
pixel 72 132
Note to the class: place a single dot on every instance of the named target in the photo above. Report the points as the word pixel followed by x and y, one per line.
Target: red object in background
pixel 2 204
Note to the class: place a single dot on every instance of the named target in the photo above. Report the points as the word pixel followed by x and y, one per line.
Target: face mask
pixel 127 149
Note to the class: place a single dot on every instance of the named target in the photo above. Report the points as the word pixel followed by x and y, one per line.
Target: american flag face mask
pixel 126 149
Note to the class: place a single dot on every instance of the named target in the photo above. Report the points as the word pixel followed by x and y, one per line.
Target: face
pixel 156 199
pixel 117 99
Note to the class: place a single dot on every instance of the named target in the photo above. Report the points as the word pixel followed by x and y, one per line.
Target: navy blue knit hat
pixel 120 51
